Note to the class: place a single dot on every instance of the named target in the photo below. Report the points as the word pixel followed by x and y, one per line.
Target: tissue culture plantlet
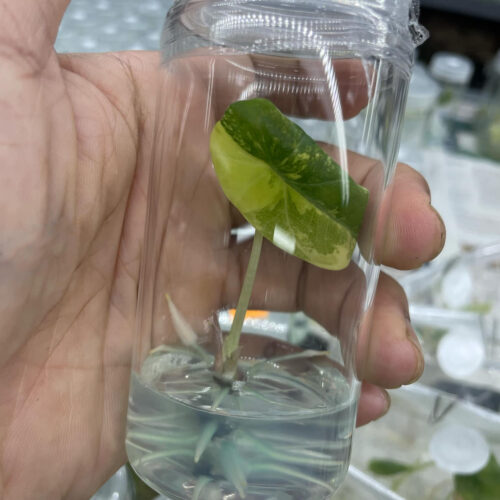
pixel 238 424
pixel 484 484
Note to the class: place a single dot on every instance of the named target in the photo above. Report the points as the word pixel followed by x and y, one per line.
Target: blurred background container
pixel 110 25
pixel 452 135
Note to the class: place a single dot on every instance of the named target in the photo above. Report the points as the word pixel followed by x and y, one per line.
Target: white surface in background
pixel 461 352
pixel 112 25
pixel 405 433
pixel 465 190
pixel 457 288
pixel 459 449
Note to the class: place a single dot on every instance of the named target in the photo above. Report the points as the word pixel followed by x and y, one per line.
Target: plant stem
pixel 231 342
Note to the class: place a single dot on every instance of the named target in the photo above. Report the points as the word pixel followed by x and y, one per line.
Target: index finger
pixel 400 221
pixel 307 88
pixel 304 88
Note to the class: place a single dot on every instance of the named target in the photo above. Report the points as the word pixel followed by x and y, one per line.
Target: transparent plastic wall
pixel 250 213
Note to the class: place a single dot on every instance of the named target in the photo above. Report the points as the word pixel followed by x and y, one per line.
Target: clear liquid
pixel 282 433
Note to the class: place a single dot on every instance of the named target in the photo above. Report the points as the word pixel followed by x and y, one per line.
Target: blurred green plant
pixel 484 485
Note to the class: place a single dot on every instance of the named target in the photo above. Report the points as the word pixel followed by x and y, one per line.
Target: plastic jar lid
pixel 457 287
pixel 451 68
pixel 459 449
pixel 461 352
pixel 495 64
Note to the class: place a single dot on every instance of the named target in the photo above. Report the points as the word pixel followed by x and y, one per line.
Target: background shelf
pixel 485 9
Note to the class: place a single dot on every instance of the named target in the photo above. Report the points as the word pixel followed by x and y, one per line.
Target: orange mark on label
pixel 250 314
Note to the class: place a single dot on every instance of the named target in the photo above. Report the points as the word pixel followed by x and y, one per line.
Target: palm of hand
pixel 70 312
pixel 74 192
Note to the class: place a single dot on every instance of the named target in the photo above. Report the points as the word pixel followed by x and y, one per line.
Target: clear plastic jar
pixel 489 120
pixel 248 212
pixel 422 98
pixel 454 73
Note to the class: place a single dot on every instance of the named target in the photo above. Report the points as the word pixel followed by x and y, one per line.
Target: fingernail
pixel 380 402
pixel 442 231
pixel 386 401
pixel 412 337
pixel 426 187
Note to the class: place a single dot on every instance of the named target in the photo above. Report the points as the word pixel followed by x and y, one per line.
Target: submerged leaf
pixel 233 467
pixel 205 437
pixel 278 470
pixel 200 486
pixel 219 398
pixel 285 456
pixel 184 331
pixel 285 185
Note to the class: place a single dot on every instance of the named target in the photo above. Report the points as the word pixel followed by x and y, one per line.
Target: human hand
pixel 75 142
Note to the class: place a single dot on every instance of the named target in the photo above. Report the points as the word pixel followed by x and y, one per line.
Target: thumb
pixel 30 26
